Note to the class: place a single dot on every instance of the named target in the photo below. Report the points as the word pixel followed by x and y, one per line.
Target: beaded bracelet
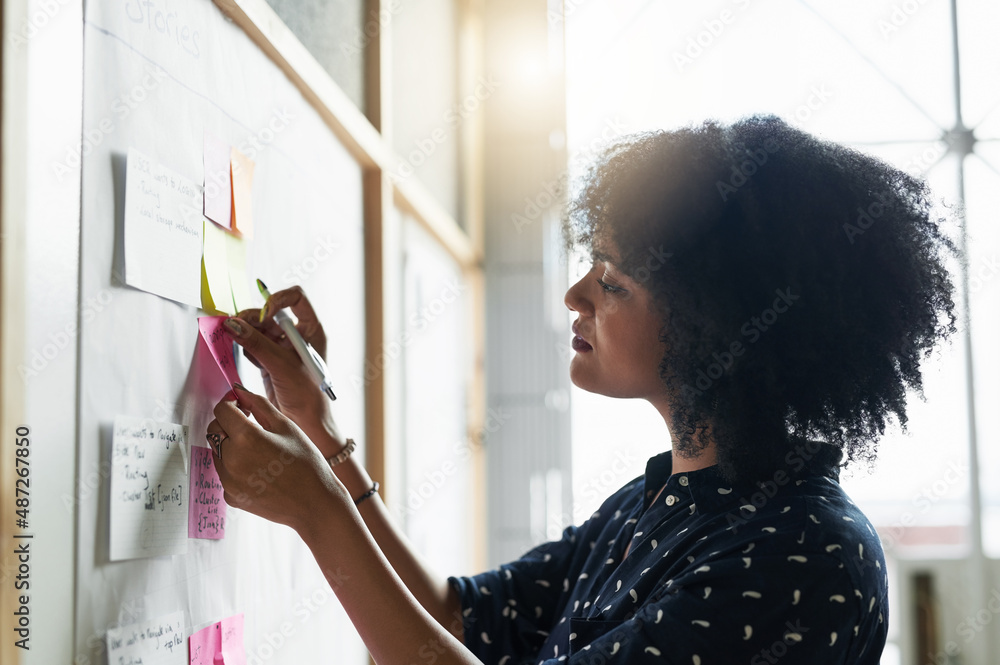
pixel 368 494
pixel 334 460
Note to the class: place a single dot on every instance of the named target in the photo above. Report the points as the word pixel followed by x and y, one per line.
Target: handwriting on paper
pixel 159 641
pixel 207 506
pixel 221 345
pixel 149 489
pixel 163 231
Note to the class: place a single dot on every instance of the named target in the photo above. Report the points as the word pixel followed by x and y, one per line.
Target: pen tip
pixel 261 285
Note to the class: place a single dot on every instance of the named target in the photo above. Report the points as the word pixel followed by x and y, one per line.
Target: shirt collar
pixel 707 488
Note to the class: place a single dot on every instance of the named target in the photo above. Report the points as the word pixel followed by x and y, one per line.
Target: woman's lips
pixel 579 343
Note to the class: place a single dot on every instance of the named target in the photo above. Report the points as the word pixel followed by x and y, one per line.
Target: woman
pixel 771 295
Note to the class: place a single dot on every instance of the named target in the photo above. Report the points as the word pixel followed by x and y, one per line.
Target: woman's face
pixel 620 351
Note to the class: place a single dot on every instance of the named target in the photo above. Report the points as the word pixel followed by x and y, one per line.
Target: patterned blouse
pixel 785 571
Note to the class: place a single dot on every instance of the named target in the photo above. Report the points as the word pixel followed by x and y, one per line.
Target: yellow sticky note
pixel 242 167
pixel 216 291
pixel 236 255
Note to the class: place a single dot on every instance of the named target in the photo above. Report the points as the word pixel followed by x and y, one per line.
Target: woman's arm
pixel 295 393
pixel 395 627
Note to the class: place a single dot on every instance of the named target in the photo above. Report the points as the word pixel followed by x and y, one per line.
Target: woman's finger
pixel 308 323
pixel 265 351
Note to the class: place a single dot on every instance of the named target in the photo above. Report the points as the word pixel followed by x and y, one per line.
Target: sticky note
pixel 221 345
pixel 233 652
pixel 236 257
pixel 206 505
pixel 242 169
pixel 159 641
pixel 149 489
pixel 217 294
pixel 218 200
pixel 219 644
pixel 163 231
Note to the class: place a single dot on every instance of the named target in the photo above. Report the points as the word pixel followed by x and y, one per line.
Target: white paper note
pixel 160 641
pixel 163 231
pixel 149 489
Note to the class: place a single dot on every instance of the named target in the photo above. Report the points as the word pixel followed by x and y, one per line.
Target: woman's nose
pixel 576 299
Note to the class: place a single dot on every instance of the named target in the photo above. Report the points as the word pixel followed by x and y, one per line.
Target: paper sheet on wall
pixel 156 642
pixel 217 294
pixel 218 182
pixel 219 644
pixel 163 231
pixel 149 489
pixel 221 345
pixel 207 506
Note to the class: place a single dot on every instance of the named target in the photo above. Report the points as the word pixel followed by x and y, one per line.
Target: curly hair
pixel 802 282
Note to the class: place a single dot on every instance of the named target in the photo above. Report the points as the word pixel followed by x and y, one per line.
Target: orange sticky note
pixel 242 167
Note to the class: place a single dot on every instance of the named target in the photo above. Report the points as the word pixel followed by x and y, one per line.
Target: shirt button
pixel 671 499
pixel 683 480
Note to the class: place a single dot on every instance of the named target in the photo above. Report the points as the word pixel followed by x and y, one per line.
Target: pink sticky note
pixel 221 345
pixel 205 645
pixel 218 182
pixel 219 644
pixel 233 652
pixel 207 507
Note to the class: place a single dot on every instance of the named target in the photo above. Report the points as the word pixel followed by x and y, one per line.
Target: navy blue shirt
pixel 787 570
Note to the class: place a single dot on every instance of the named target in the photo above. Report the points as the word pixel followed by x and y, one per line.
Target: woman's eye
pixel 607 287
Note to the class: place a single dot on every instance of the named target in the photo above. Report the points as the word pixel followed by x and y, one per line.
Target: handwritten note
pixel 216 294
pixel 221 345
pixel 219 644
pixel 149 489
pixel 156 642
pixel 206 507
pixel 218 182
pixel 163 231
pixel 242 168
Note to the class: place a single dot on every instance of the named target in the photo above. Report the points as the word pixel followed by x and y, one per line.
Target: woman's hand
pixel 288 383
pixel 269 467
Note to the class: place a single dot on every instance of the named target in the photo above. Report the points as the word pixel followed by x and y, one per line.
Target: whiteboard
pixel 156 76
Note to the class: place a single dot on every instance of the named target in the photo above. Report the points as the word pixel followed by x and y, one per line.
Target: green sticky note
pixel 216 291
pixel 236 255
